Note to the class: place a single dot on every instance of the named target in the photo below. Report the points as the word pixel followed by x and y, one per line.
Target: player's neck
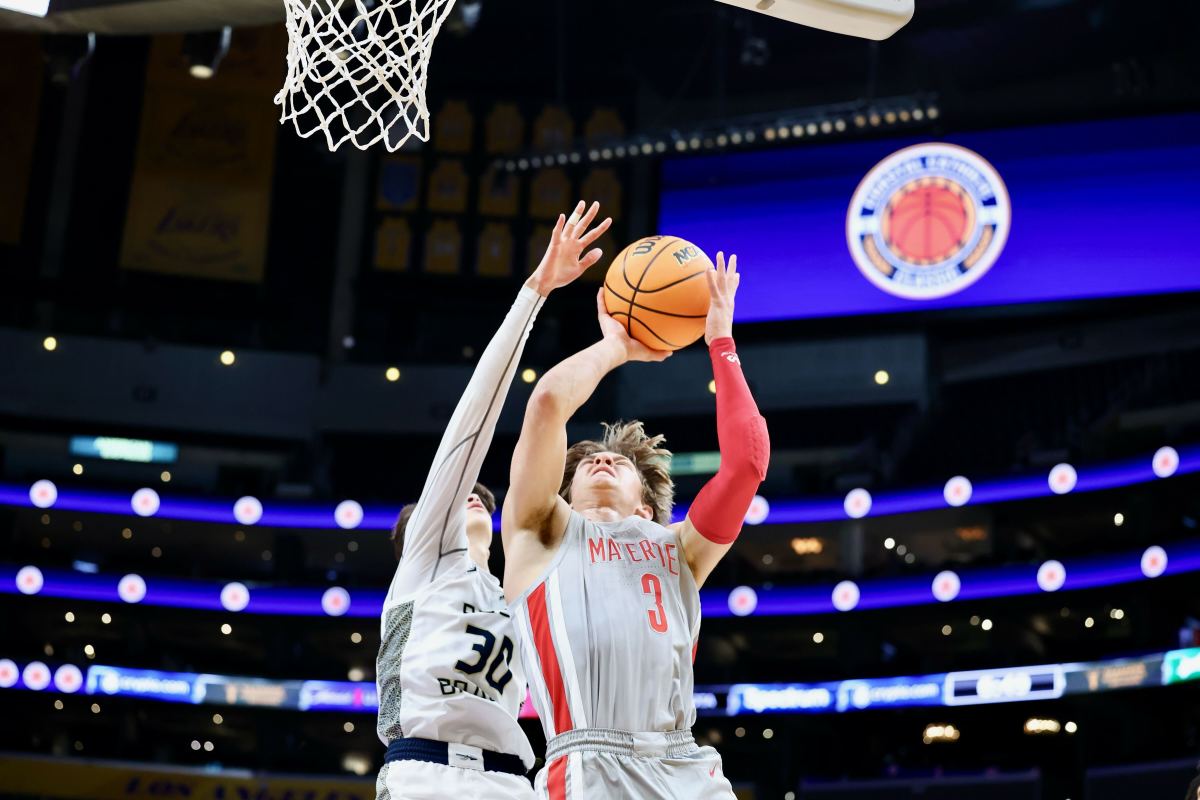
pixel 600 512
pixel 480 553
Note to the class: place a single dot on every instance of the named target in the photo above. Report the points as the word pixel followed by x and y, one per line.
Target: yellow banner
pixel 21 71
pixel 73 779
pixel 201 195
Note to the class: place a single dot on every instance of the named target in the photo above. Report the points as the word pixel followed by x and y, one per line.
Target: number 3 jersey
pixel 608 634
pixel 448 668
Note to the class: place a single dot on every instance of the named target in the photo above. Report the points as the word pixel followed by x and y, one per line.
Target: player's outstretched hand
pixel 615 332
pixel 565 259
pixel 722 286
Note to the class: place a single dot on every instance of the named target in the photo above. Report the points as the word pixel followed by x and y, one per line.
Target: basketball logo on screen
pixel 928 221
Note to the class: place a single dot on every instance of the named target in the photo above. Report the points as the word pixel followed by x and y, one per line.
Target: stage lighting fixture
pixel 205 50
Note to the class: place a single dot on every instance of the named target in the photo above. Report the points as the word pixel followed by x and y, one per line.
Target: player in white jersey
pixel 604 590
pixel 450 681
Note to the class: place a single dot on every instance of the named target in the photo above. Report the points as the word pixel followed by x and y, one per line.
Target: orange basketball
pixel 928 220
pixel 656 288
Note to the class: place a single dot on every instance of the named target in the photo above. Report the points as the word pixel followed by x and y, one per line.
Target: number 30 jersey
pixel 448 666
pixel 609 632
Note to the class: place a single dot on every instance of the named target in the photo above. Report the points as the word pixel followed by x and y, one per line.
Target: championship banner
pixel 201 195
pixel 21 69
pixel 75 779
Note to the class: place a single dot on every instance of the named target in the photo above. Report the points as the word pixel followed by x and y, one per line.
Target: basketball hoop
pixel 357 69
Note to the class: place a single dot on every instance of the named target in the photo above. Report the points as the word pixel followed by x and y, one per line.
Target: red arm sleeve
pixel 720 508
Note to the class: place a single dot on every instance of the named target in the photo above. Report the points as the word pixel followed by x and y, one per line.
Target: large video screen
pixel 1048 213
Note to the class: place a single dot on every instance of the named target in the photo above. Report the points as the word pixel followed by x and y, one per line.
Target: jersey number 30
pixel 486 648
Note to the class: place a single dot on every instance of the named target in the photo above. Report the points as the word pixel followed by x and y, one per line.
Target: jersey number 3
pixel 657 615
pixel 485 649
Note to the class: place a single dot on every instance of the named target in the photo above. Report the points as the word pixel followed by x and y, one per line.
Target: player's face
pixel 479 520
pixel 608 478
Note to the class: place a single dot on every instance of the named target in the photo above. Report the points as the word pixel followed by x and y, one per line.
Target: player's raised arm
pixel 436 529
pixel 533 509
pixel 715 518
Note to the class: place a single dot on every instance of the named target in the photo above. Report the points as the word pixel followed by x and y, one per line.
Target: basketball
pixel 656 288
pixel 928 220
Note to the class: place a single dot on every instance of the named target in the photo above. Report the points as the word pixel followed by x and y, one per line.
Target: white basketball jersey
pixel 608 634
pixel 448 669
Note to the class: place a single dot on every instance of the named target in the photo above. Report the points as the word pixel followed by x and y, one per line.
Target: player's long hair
pixel 652 462
pixel 485 494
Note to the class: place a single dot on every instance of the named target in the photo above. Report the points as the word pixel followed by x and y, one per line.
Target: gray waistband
pixel 667 744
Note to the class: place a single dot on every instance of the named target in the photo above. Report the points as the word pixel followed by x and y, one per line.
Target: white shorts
pixel 422 780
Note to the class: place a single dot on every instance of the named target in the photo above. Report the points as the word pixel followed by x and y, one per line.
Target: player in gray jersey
pixel 604 589
pixel 450 680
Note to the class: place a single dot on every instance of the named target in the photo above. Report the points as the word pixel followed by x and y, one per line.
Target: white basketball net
pixel 357 69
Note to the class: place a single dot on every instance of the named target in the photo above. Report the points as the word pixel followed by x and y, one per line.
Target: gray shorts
pixel 598 764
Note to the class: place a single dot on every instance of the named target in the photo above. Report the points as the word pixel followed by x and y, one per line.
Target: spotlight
pixel 535 162
pixel 166 476
pixel 890 117
pixel 875 120
pixel 750 137
pixel 576 158
pixel 392 374
pixel 904 115
pixel 768 733
pixel 680 145
pixel 348 727
pixel 1119 519
pixel 228 357
pixel 889 543
pixel 523 164
pixel 882 377
pixel 947 630
pixel 620 151
pixel 593 155
pixel 647 148
pixel 932 112
pixel 528 375
pixel 226 629
pixel 218 719
pixel 356 637
pixel 769 134
pixel 50 343
pixel 783 132
pixel 812 129
pixel 1070 727
pixel 205 50
pixel 660 147
pixel 106 618
pixel 1089 623
pixel 918 114
pixel 694 143
pixel 77 469
pixel 606 153
pixel 510 166
pixel 797 131
pixel 712 387
pixel 735 138
pixel 826 127
pixel 839 125
pixel 860 121
pixel 722 140
pixel 818 637
pixel 986 624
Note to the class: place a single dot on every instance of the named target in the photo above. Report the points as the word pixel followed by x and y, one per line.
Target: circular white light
pixel 132 589
pixel 889 543
pixel 758 511
pixel 68 679
pixel 235 597
pixel 349 515
pixel 8 673
pixel 846 596
pixel 958 491
pixel 1154 561
pixel 743 601
pixel 1166 462
pixel 336 601
pixel 248 510
pixel 1051 576
pixel 29 580
pixel 946 586
pixel 43 494
pixel 1062 479
pixel 36 676
pixel 857 504
pixel 145 502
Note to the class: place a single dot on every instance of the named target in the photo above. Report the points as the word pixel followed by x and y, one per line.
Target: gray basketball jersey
pixel 608 634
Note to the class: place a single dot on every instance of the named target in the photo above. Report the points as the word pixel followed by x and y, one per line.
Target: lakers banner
pixel 20 93
pixel 200 200
pixel 97 780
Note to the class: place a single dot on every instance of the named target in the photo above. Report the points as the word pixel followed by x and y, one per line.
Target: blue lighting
pixel 782 512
